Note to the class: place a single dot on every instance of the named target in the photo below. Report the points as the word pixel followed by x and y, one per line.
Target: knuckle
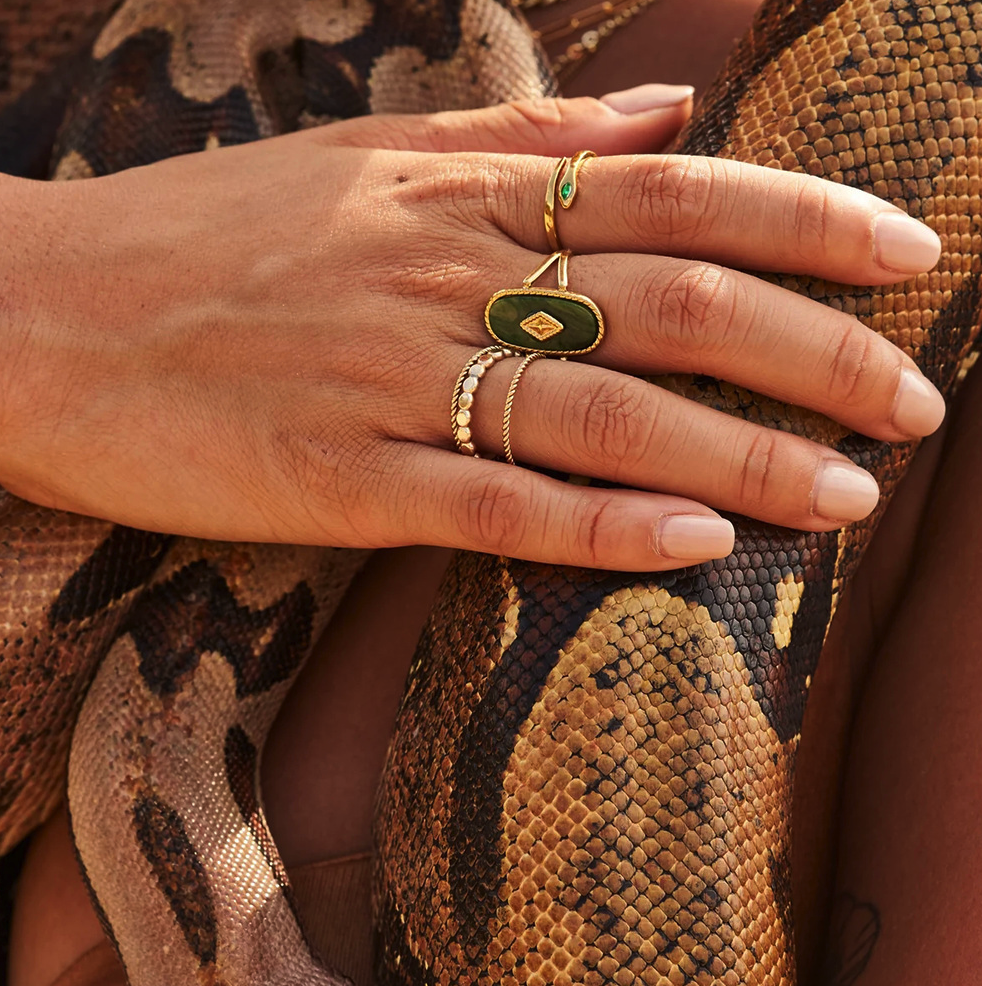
pixel 850 384
pixel 499 201
pixel 608 418
pixel 495 514
pixel 535 118
pixel 695 310
pixel 464 190
pixel 596 534
pixel 755 474
pixel 814 209
pixel 675 197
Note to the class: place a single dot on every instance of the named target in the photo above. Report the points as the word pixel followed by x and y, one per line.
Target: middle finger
pixel 678 316
pixel 666 315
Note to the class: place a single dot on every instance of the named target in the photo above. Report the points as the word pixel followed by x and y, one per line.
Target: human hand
pixel 260 343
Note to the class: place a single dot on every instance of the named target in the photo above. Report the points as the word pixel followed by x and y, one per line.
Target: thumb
pixel 640 120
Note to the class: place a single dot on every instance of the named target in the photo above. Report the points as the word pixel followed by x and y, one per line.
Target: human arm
pixel 260 342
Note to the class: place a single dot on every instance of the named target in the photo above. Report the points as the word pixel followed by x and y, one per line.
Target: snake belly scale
pixel 606 787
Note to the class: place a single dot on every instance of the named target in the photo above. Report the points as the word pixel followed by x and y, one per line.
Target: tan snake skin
pixel 589 780
pixel 606 790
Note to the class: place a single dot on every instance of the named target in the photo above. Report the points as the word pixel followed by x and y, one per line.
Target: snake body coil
pixel 589 781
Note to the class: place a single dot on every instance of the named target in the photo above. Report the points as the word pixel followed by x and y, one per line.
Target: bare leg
pixel 860 623
pixel 910 869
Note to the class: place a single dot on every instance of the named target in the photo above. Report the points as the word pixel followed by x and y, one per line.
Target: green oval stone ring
pixel 542 320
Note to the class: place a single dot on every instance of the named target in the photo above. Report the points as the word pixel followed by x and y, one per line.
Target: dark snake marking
pixel 117 124
pixel 194 611
pixel 180 876
pixel 124 561
pixel 29 125
pixel 307 77
pixel 30 117
pixel 242 773
pixel 740 592
pixel 545 624
pixel 954 322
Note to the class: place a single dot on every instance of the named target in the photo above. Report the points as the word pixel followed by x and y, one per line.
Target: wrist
pixel 27 276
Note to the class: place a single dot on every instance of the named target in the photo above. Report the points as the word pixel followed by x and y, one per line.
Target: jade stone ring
pixel 542 320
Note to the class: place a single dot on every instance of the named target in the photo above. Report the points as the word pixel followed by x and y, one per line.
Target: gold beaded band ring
pixel 543 320
pixel 563 179
pixel 463 395
pixel 510 400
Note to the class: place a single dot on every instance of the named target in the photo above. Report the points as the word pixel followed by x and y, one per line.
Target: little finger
pixel 447 499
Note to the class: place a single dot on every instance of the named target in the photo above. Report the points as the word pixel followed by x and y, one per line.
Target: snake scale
pixel 589 780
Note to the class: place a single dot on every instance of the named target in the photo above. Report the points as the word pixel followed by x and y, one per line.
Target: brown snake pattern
pixel 589 781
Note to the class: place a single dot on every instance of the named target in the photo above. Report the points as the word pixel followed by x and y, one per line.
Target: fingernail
pixel 904 244
pixel 843 491
pixel 652 96
pixel 694 536
pixel 919 408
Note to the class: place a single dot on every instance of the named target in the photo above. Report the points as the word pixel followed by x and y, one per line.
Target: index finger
pixel 730 213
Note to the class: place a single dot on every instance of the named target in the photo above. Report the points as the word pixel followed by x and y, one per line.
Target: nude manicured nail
pixel 694 536
pixel 904 244
pixel 919 408
pixel 652 96
pixel 843 492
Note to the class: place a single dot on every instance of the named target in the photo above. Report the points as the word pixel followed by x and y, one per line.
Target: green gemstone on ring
pixel 580 321
pixel 566 191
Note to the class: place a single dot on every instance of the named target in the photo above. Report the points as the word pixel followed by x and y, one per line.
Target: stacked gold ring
pixel 529 321
pixel 461 407
pixel 510 400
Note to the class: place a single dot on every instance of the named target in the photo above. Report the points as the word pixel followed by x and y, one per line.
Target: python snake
pixel 589 780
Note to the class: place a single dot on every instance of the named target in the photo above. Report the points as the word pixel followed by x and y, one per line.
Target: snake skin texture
pixel 589 781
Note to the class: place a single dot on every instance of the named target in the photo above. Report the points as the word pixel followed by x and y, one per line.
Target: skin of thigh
pixel 909 868
pixel 861 621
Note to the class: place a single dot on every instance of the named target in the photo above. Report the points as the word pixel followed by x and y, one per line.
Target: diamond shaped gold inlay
pixel 542 326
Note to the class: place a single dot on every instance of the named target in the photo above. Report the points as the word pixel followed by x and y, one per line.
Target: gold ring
pixel 564 178
pixel 510 399
pixel 544 320
pixel 464 389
